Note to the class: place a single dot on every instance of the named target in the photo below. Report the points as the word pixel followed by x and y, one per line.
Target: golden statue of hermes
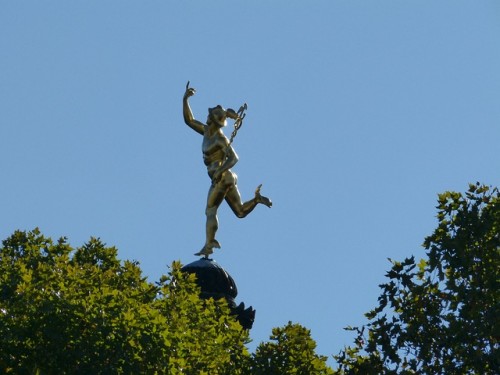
pixel 219 157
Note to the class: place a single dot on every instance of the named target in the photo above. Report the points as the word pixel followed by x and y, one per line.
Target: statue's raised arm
pixel 189 119
pixel 219 157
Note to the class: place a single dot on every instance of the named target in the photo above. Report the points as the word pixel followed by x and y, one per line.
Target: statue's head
pixel 217 115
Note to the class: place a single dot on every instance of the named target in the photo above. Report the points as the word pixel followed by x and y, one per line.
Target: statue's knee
pixel 211 211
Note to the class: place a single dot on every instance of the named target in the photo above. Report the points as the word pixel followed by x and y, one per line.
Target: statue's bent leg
pixel 233 198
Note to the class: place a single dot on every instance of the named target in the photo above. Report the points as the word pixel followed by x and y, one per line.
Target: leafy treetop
pixel 439 315
pixel 83 311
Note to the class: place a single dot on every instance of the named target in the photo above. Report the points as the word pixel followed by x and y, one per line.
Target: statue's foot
pixel 208 249
pixel 205 251
pixel 261 199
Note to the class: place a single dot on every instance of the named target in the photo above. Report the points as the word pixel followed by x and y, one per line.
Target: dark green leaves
pixel 440 315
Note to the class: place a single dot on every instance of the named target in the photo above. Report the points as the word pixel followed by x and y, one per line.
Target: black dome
pixel 216 283
pixel 213 280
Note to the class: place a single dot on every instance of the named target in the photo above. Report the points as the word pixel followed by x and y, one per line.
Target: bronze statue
pixel 219 157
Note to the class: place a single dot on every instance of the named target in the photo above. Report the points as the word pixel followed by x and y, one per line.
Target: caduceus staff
pixel 219 157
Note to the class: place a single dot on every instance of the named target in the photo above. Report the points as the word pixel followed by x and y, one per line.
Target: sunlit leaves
pixel 84 311
pixel 291 351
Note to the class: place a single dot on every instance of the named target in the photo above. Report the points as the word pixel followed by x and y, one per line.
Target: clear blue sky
pixel 359 114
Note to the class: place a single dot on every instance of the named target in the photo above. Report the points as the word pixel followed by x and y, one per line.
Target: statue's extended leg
pixel 233 198
pixel 215 197
pixel 211 228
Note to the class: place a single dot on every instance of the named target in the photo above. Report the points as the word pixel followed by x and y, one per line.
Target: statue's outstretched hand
pixel 190 91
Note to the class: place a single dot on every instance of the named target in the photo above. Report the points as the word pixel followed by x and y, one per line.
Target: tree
pixel 440 315
pixel 83 311
pixel 291 351
pixel 204 337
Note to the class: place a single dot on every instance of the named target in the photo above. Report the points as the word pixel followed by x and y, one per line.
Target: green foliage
pixel 205 338
pixel 291 352
pixel 440 315
pixel 83 311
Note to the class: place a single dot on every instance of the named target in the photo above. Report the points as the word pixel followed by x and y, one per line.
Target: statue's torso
pixel 214 150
